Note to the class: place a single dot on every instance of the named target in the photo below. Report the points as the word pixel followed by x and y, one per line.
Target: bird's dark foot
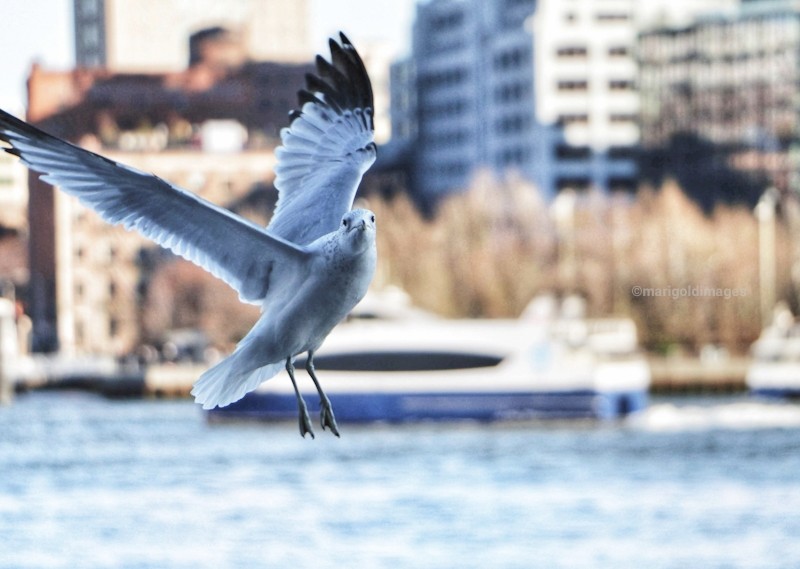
pixel 305 425
pixel 326 418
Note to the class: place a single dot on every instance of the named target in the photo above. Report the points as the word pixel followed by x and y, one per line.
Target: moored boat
pixel 775 367
pixel 422 368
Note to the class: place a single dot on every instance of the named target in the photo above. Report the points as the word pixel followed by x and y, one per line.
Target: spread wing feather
pixel 228 246
pixel 326 149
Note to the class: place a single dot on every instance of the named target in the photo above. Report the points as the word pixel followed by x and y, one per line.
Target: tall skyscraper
pixel 151 35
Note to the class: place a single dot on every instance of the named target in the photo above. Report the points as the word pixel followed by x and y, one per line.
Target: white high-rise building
pixel 586 86
pixel 586 83
pixel 152 35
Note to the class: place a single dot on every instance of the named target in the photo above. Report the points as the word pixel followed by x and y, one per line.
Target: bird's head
pixel 358 230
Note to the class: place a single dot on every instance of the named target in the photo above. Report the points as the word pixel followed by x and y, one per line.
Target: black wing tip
pixel 343 81
pixel 12 127
pixel 11 150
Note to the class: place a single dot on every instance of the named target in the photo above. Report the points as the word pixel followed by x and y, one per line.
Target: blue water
pixel 86 482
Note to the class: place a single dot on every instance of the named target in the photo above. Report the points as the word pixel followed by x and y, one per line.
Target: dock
pixel 669 376
pixel 685 375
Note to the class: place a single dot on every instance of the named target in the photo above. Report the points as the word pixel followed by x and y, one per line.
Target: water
pixel 86 483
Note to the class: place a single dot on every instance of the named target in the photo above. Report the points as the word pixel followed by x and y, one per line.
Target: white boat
pixel 412 368
pixel 775 369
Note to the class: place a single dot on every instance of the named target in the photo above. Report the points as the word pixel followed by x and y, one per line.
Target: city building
pixel 470 98
pixel 586 86
pixel 13 194
pixel 211 129
pixel 719 103
pixel 543 88
pixel 150 35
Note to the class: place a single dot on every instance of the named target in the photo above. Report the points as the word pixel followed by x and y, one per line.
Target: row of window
pixel 604 17
pixel 447 21
pixel 513 124
pixel 512 58
pixel 511 92
pixel 448 169
pixel 582 52
pixel 515 155
pixel 80 291
pixel 569 152
pixel 444 78
pixel 81 325
pixel 582 85
pixel 448 108
pixel 446 138
pixel 567 119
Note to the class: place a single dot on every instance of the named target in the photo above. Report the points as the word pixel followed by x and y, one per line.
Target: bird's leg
pixel 305 422
pixel 326 418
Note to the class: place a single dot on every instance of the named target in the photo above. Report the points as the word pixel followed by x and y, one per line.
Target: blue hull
pixel 777 393
pixel 411 407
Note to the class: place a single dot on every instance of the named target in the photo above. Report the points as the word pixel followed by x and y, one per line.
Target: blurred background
pixel 642 156
pixel 565 148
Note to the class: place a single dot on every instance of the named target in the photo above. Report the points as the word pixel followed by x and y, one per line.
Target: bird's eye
pixel 372 218
pixel 344 222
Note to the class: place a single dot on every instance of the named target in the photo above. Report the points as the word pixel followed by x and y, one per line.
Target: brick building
pixel 210 128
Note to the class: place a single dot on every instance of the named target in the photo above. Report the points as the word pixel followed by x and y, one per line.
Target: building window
pixel 622 185
pixel 618 51
pixel 622 152
pixel 619 118
pixel 621 85
pixel 612 17
pixel 448 78
pixel 511 59
pixel 511 92
pixel 573 85
pixel 579 183
pixel 572 51
pixel 567 119
pixel 569 152
pixel 512 156
pixel 511 124
pixel 447 21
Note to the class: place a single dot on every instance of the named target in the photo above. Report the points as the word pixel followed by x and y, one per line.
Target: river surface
pixel 91 483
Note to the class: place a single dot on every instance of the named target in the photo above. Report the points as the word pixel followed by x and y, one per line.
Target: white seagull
pixel 309 267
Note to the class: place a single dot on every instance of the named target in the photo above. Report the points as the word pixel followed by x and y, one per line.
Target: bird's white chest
pixel 335 285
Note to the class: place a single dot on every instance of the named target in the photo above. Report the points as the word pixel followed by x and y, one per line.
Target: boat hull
pixel 440 406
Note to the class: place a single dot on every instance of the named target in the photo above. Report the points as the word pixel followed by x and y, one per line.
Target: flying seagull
pixel 307 269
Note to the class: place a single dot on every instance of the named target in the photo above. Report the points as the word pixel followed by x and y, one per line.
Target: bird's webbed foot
pixel 326 417
pixel 305 422
pixel 302 410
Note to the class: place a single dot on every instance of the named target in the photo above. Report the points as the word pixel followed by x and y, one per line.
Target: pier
pixel 669 376
pixel 685 375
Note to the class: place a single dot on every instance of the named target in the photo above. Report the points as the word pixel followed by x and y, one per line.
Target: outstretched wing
pixel 228 246
pixel 326 149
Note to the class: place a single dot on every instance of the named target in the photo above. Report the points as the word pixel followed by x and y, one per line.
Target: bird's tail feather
pixel 222 384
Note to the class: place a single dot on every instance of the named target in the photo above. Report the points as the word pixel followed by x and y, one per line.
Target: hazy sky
pixel 42 30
